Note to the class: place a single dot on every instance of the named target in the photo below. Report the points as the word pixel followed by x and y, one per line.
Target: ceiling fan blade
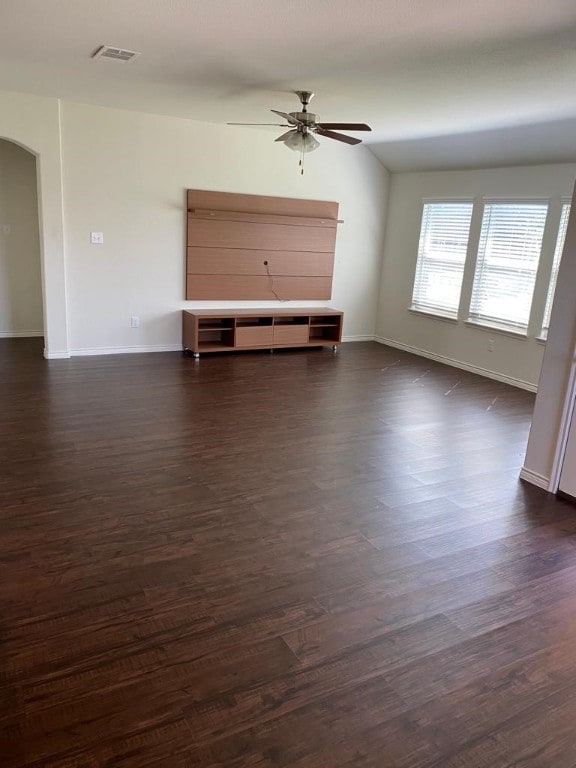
pixel 276 125
pixel 285 135
pixel 346 126
pixel 337 136
pixel 287 117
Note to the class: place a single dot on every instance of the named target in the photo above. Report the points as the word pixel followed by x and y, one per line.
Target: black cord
pixel 272 282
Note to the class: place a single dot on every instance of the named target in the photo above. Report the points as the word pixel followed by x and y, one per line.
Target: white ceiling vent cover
pixel 117 54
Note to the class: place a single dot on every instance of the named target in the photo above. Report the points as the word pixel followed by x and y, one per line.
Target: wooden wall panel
pixel 240 261
pixel 261 218
pixel 282 206
pixel 274 237
pixel 256 287
pixel 230 236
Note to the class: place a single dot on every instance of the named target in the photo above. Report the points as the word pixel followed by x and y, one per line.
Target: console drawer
pixel 291 334
pixel 254 336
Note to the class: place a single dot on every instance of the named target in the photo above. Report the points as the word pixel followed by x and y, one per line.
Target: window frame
pixel 565 203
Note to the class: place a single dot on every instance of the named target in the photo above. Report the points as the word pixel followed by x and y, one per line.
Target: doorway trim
pixel 564 428
pixel 34 124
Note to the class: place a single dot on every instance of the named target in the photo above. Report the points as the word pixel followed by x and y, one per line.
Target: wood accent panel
pixel 283 206
pixel 256 336
pixel 258 288
pixel 275 237
pixel 230 236
pixel 239 261
pixel 261 218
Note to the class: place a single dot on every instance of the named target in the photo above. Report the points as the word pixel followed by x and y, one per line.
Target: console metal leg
pixel 334 348
pixel 196 355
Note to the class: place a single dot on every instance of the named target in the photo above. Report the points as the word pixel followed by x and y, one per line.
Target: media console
pixel 214 330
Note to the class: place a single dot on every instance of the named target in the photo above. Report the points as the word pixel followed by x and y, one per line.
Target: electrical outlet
pixel 490 345
pixel 134 322
pixel 96 238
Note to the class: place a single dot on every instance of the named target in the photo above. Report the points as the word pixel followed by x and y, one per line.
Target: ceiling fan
pixel 304 124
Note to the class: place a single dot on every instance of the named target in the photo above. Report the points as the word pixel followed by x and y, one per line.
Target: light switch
pixel 97 238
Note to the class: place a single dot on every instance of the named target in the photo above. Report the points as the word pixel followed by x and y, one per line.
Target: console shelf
pixel 243 329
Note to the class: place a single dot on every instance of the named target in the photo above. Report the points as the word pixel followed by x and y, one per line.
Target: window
pixel 441 257
pixel 508 256
pixel 556 266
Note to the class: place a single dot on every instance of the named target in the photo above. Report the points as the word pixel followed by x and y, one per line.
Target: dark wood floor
pixel 292 560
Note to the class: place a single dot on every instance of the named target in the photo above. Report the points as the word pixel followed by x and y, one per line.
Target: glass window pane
pixel 441 256
pixel 508 257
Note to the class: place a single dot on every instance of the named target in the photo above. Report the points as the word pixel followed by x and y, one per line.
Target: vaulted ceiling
pixel 444 83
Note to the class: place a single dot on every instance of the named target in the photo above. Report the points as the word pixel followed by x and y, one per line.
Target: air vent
pixel 117 54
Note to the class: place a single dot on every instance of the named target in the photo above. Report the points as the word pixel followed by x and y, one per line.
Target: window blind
pixel 508 256
pixel 556 264
pixel 441 256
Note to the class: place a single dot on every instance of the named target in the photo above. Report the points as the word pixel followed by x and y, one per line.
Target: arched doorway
pixel 34 124
pixel 21 295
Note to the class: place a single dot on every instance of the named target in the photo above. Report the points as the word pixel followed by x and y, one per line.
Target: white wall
pixel 34 122
pixel 125 174
pixel 20 268
pixel 514 359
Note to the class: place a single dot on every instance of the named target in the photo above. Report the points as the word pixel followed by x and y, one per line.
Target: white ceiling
pixel 444 83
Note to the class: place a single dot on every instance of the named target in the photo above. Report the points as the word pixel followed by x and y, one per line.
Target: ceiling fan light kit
pixel 304 124
pixel 301 142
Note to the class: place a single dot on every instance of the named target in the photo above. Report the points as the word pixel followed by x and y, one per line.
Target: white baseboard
pixel 160 348
pixel 535 478
pixel 358 338
pixel 520 383
pixel 381 340
pixel 125 350
pixel 21 334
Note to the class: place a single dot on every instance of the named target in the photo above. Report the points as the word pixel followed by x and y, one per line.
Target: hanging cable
pixel 271 282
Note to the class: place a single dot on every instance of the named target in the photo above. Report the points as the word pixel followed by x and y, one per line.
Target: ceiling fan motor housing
pixel 307 118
